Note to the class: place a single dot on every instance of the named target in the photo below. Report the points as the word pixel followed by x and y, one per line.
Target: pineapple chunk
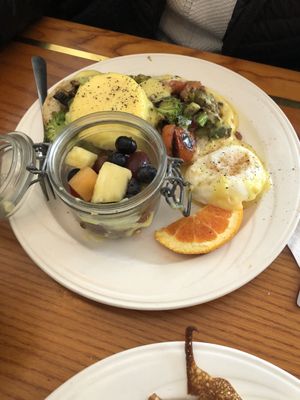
pixel 83 183
pixel 111 183
pixel 80 158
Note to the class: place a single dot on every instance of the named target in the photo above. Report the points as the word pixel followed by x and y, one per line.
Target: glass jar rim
pixel 91 120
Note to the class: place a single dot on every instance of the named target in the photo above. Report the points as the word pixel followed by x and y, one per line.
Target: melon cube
pixel 83 183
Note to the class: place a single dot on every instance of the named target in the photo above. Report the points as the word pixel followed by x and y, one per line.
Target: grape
pixel 136 161
pixel 117 158
pixel 133 188
pixel 99 162
pixel 125 145
pixel 146 174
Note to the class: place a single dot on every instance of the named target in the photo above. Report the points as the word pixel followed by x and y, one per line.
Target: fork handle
pixel 40 75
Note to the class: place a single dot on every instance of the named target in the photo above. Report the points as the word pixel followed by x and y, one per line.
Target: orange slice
pixel 202 232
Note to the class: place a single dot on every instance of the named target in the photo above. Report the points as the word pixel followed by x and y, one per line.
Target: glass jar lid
pixel 16 153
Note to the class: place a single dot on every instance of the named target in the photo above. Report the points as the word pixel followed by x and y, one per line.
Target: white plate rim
pixel 167 347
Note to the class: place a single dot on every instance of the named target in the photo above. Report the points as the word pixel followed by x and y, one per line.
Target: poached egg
pixel 228 177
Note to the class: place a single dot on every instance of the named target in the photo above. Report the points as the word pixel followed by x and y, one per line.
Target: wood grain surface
pixel 275 81
pixel 48 333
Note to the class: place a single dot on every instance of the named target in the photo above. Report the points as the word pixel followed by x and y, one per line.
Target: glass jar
pixel 94 131
pixel 16 152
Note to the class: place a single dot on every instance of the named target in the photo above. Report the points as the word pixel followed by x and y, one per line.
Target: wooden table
pixel 48 333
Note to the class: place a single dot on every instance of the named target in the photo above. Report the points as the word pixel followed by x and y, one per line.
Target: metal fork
pixel 39 68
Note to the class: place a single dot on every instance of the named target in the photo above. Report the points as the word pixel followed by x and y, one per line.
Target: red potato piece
pixel 167 137
pixel 190 87
pixel 184 145
pixel 179 142
pixel 176 85
pixel 83 183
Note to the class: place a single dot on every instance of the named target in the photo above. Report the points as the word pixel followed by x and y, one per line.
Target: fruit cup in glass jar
pixel 126 152
pixel 110 169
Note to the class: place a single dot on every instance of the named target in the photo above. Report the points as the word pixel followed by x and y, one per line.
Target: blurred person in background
pixel 266 31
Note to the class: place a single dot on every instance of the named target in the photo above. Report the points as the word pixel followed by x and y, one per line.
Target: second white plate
pixel 135 374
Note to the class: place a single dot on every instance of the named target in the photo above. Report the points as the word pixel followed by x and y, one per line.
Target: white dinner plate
pixel 160 368
pixel 138 272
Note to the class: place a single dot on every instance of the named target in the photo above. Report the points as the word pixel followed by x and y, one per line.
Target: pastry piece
pixel 199 382
pixel 154 397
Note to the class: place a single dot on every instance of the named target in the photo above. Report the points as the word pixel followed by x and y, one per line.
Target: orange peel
pixel 206 230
